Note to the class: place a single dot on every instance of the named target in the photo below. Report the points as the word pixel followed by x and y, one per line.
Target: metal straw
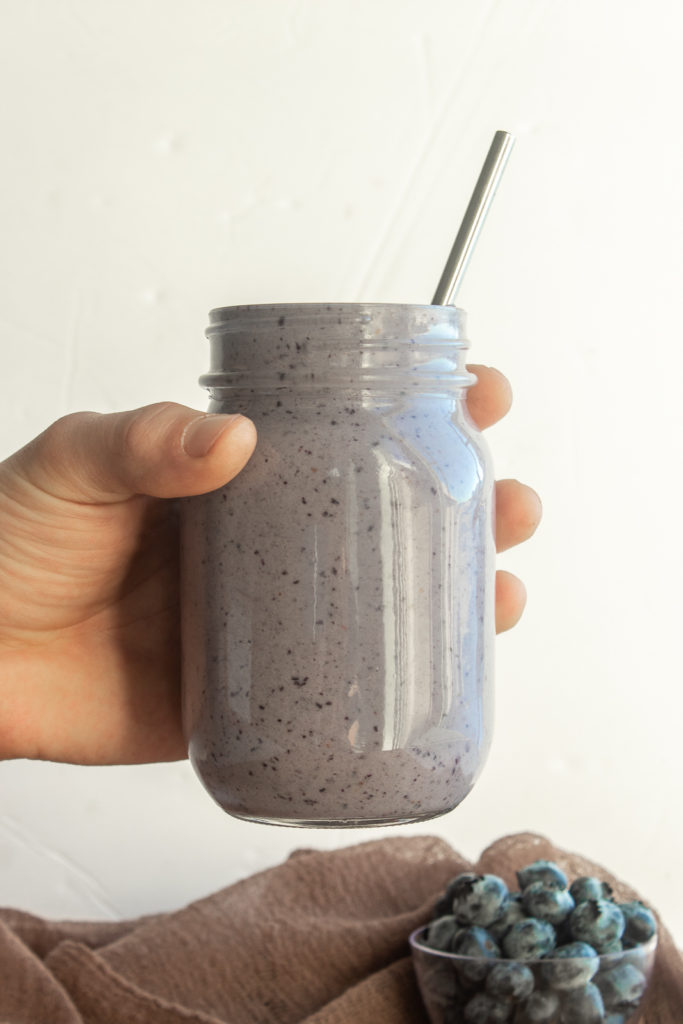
pixel 472 223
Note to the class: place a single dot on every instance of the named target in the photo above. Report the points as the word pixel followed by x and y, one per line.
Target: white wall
pixel 162 158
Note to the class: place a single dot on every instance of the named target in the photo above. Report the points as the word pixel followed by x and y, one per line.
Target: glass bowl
pixel 606 989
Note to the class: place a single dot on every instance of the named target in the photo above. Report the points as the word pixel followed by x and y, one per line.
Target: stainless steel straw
pixel 474 218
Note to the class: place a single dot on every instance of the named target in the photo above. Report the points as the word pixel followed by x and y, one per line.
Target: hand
pixel 89 630
pixel 518 507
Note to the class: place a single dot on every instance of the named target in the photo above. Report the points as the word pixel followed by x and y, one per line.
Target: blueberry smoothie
pixel 337 596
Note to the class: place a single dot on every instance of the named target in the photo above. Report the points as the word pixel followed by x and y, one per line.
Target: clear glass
pixel 338 594
pixel 563 990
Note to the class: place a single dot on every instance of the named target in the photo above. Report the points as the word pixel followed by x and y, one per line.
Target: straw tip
pixel 508 136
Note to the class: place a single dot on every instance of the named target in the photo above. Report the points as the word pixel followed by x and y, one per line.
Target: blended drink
pixel 338 594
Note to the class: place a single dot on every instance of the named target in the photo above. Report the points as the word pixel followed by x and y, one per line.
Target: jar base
pixel 338 822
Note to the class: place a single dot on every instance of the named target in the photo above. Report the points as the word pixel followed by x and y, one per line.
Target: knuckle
pixel 67 427
pixel 143 427
pixel 56 445
pixel 48 462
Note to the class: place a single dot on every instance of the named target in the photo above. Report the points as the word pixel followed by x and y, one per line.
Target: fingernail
pixel 201 434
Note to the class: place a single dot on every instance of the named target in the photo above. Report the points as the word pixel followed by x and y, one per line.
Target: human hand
pixel 89 620
pixel 518 507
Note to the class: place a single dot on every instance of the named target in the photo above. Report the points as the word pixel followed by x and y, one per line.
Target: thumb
pixel 164 450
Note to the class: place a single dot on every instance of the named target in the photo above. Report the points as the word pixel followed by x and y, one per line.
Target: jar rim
pixel 221 312
pixel 224 319
pixel 348 344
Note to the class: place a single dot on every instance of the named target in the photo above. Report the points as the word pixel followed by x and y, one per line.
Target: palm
pixel 92 601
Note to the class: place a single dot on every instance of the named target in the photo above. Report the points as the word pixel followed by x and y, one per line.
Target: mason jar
pixel 338 594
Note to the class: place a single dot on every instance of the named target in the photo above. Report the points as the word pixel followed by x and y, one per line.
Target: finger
pixel 510 600
pixel 518 513
pixel 164 450
pixel 490 398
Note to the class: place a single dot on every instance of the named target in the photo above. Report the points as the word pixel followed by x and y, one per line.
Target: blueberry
pixel 444 904
pixel 641 957
pixel 621 986
pixel 597 922
pixel 510 981
pixel 615 946
pixel 438 978
pixel 616 1018
pixel 477 943
pixel 484 1009
pixel 583 1006
pixel 440 933
pixel 541 871
pixel 540 1008
pixel 478 899
pixel 641 923
pixel 588 888
pixel 514 911
pixel 570 966
pixel 529 939
pixel 547 901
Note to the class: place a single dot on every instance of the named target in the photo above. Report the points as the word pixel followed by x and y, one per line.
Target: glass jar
pixel 338 594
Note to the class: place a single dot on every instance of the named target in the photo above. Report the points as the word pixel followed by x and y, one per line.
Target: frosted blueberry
pixel 510 981
pixel 441 981
pixel 588 888
pixel 616 946
pixel 541 871
pixel 440 933
pixel 583 1006
pixel 547 901
pixel 639 956
pixel 514 911
pixel 570 966
pixel 444 904
pixel 529 939
pixel 597 922
pixel 478 899
pixel 484 1009
pixel 474 942
pixel 540 1008
pixel 641 923
pixel 621 986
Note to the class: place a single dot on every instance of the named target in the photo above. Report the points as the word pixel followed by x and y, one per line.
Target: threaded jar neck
pixel 348 344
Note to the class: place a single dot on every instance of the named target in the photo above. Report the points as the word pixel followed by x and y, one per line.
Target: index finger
pixel 490 398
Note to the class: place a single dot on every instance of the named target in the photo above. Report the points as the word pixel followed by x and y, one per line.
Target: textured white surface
pixel 159 159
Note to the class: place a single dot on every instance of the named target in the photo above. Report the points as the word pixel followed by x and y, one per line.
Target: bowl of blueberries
pixel 550 953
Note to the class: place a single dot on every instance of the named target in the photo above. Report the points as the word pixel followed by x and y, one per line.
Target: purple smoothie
pixel 338 594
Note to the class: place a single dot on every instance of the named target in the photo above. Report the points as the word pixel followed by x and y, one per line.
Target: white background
pixel 162 158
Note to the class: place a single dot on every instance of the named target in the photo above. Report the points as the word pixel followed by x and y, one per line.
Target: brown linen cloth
pixel 321 939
